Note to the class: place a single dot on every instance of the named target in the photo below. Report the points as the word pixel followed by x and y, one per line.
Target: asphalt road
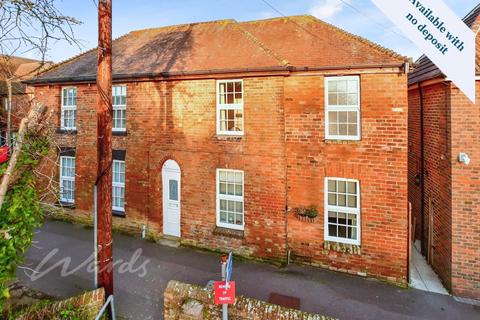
pixel 139 285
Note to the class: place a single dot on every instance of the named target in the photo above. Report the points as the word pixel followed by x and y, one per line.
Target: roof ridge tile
pixel 221 21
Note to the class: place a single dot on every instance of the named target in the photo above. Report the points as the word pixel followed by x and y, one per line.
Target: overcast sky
pixel 357 16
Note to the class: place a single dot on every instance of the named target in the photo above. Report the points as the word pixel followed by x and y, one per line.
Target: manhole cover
pixel 284 301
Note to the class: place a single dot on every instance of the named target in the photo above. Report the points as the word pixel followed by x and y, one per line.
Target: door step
pixel 168 241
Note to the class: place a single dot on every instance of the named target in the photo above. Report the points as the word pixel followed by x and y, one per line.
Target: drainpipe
pixel 285 152
pixel 422 168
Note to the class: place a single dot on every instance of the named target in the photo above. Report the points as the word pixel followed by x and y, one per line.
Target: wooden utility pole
pixel 104 146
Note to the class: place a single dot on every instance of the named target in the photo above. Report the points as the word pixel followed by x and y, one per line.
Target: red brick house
pixel 443 188
pixel 222 130
pixel 15 69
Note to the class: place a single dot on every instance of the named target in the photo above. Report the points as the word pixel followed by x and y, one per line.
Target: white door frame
pixel 171 208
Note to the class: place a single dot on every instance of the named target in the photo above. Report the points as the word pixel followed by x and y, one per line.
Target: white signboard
pixel 440 35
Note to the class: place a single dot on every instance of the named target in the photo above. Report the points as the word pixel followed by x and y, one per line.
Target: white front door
pixel 171 198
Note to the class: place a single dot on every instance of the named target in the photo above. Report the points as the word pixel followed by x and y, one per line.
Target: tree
pixel 26 26
pixel 29 26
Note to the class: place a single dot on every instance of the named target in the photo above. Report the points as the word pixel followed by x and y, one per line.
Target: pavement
pixel 141 279
pixel 422 275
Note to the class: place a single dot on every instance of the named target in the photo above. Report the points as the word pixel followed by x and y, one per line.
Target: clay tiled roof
pixel 425 69
pixel 305 41
pixel 20 69
pixel 9 64
pixel 209 47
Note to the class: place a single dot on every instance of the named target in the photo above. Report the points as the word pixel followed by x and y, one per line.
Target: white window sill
pixel 341 141
pixel 346 138
pixel 230 226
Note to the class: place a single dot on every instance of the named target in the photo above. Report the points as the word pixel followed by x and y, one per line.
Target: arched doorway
pixel 171 198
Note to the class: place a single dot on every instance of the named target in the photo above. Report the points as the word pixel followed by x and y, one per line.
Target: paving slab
pixel 423 277
pixel 139 285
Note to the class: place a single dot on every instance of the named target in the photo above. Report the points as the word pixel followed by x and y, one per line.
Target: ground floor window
pixel 230 206
pixel 342 210
pixel 67 179
pixel 118 186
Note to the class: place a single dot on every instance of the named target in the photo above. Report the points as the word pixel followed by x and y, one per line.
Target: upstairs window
pixel 118 186
pixel 67 179
pixel 69 109
pixel 230 107
pixel 342 107
pixel 230 199
pixel 342 210
pixel 119 105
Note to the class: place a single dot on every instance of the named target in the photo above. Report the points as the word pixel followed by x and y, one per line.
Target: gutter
pixel 211 72
pixel 156 75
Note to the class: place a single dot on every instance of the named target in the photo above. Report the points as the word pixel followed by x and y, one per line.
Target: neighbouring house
pixel 276 138
pixel 14 70
pixel 444 190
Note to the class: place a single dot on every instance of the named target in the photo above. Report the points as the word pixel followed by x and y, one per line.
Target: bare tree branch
pixel 31 25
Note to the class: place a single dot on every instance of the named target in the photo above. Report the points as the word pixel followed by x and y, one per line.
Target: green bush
pixel 43 310
pixel 21 213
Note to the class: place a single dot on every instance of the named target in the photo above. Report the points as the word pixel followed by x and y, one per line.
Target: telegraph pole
pixel 104 146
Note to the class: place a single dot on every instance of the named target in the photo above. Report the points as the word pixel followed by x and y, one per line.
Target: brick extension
pixel 284 154
pixel 451 198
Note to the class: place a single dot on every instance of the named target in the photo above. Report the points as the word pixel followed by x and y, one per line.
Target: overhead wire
pixel 271 6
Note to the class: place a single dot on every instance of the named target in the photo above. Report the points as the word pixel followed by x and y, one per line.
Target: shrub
pixel 20 214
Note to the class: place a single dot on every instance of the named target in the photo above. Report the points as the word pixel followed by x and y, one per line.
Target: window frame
pixel 356 211
pixel 346 108
pixel 117 107
pixel 234 106
pixel 119 185
pixel 6 103
pixel 232 198
pixel 68 108
pixel 67 178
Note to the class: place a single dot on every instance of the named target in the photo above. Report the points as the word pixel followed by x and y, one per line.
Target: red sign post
pixel 224 295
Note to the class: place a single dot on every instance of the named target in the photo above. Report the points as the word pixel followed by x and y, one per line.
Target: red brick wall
pixel 176 120
pixel 465 132
pixel 414 161
pixel 437 173
pixel 451 127
pixel 20 107
pixel 378 161
pixel 284 140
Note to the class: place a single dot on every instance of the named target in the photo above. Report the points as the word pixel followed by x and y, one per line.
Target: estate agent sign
pixel 441 36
